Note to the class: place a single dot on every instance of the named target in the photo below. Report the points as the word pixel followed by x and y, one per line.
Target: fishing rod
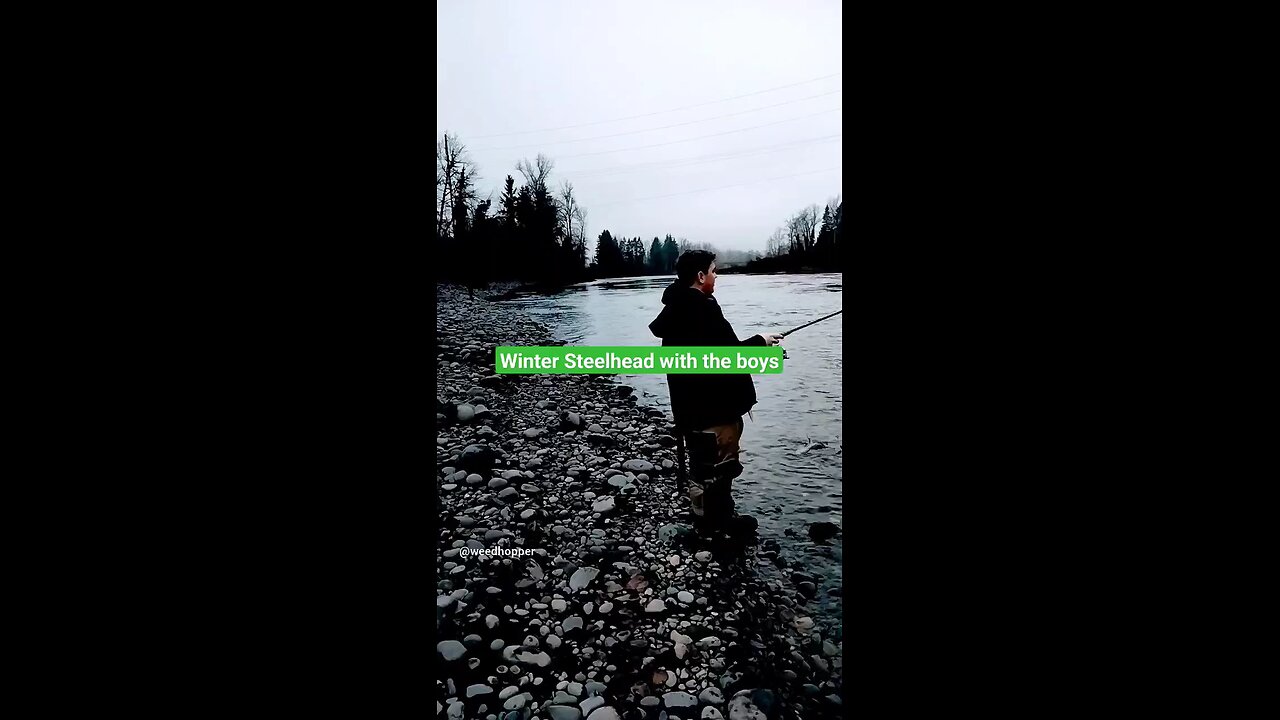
pixel 812 323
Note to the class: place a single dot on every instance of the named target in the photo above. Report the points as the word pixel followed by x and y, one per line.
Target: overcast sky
pixel 505 67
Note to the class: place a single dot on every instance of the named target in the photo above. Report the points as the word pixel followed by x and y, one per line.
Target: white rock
pixel 451 649
pixel 605 713
pixel 478 689
pixel 679 699
pixel 591 704
pixel 582 577
pixel 655 605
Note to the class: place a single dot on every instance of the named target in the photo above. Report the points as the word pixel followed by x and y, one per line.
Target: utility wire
pixel 699 137
pixel 698 160
pixel 722 187
pixel 663 127
pixel 660 112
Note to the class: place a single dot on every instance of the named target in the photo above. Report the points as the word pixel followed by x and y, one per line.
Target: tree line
pixel 805 244
pixel 536 232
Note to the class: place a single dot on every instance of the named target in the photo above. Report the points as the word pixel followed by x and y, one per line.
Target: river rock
pixel 451 649
pixel 563 712
pixel 582 577
pixel 679 699
pixel 477 457
pixel 822 531
pixel 741 708
pixel 638 465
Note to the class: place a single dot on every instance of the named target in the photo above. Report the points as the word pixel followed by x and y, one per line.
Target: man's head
pixel 697 269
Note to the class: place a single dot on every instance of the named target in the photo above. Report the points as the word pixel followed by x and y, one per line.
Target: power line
pixel 699 137
pixel 660 112
pixel 623 169
pixel 722 187
pixel 663 127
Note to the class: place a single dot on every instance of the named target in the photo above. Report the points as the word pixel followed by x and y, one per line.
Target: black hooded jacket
pixel 701 401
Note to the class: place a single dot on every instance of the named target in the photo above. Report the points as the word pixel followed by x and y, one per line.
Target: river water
pixel 788 482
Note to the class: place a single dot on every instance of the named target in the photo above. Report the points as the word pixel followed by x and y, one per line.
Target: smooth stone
pixel 559 605
pixel 574 688
pixel 561 712
pixel 582 577
pixel 741 708
pixel 679 699
pixel 605 713
pixel 451 649
pixel 684 596
pixel 604 505
pixel 650 700
pixel 590 704
pixel 478 689
pixel 638 465
pixel 655 605
pixel 540 659
pixel 474 479
pixel 712 696
pixel 507 692
pixel 572 623
pixel 710 713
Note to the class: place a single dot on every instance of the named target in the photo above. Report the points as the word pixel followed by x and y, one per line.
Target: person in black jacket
pixel 707 409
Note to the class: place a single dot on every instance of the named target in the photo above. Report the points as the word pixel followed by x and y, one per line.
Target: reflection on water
pixel 792 448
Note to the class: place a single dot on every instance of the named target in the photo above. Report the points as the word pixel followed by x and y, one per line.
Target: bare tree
pixel 455 176
pixel 803 228
pixel 776 244
pixel 535 174
pixel 569 209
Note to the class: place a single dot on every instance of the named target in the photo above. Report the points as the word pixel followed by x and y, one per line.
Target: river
pixel 789 482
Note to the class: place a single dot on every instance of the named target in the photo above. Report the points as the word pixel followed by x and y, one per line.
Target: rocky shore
pixel 568 585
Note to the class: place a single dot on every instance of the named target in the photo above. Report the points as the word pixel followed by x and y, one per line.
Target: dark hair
pixel 692 262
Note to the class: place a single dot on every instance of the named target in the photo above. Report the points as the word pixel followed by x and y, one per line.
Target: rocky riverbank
pixel 616 611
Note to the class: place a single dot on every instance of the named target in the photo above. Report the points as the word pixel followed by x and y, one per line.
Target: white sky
pixel 506 66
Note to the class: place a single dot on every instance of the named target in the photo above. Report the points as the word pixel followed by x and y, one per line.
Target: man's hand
pixel 771 339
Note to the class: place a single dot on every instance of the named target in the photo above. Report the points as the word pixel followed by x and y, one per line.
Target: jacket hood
pixel 677 295
pixel 678 292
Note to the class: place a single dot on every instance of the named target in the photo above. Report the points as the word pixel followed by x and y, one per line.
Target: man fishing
pixel 708 409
